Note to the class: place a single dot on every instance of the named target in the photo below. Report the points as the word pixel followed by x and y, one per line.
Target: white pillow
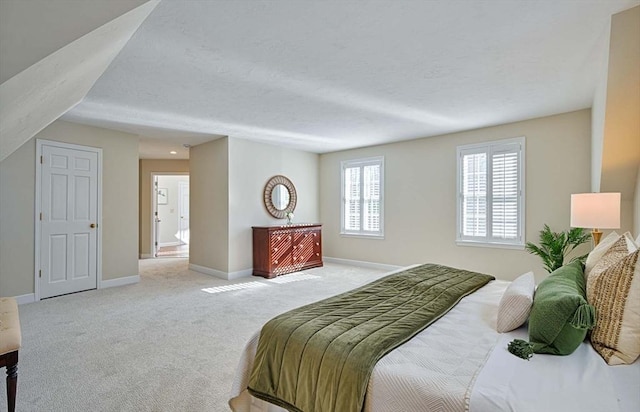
pixel 516 302
pixel 599 251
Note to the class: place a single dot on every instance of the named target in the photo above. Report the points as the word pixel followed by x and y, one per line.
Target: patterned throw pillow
pixel 598 251
pixel 615 293
pixel 618 250
pixel 516 302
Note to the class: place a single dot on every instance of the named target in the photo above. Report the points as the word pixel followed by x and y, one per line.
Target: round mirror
pixel 280 196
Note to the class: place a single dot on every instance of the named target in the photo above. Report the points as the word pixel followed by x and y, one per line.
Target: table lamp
pixel 595 211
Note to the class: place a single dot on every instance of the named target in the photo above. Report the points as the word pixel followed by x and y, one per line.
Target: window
pixel 491 193
pixel 362 197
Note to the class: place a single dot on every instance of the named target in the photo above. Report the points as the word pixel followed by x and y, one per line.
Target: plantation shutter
pixel 362 201
pixel 490 197
pixel 474 197
pixel 505 191
pixel 371 194
pixel 352 198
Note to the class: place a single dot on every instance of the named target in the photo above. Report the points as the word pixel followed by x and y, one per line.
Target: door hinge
pixel 40 273
pixel 156 243
pixel 41 159
pixel 40 215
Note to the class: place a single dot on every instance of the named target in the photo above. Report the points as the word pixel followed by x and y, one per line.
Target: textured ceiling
pixel 326 76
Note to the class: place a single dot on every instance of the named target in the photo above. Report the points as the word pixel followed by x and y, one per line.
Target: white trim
pixel 240 274
pixel 154 207
pixel 112 283
pixel 362 264
pixel 220 274
pixel 38 208
pixel 208 271
pixel 376 160
pixel 473 243
pixel 24 299
pixel 489 148
pixel 146 256
pixel 362 236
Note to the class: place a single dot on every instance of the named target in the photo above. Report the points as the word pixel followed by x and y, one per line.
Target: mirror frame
pixel 268 190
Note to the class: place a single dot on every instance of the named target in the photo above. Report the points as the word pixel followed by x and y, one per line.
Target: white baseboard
pixel 111 283
pixel 240 274
pixel 146 256
pixel 220 274
pixel 360 263
pixel 28 298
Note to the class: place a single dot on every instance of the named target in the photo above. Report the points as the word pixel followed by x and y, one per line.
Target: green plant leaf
pixel 554 246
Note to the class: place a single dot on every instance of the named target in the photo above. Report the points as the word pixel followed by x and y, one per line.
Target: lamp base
pixel 596 234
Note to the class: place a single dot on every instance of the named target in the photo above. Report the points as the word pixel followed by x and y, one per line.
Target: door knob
pixel 93 226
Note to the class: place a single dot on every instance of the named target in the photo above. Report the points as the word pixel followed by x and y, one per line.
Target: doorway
pixel 170 215
pixel 67 221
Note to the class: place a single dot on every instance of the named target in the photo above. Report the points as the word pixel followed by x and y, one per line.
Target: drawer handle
pixel 295 258
pixel 275 249
pixel 315 234
pixel 289 238
pixel 306 234
pixel 276 262
pixel 317 244
pixel 278 237
pixel 317 254
pixel 295 247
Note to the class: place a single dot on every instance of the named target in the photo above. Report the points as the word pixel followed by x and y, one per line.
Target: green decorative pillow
pixel 560 316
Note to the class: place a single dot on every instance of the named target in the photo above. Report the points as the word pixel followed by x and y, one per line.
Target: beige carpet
pixel 168 343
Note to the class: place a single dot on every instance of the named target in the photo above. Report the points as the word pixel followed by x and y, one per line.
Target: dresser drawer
pixel 284 249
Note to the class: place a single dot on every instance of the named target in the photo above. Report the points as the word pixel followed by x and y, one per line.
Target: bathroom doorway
pixel 170 215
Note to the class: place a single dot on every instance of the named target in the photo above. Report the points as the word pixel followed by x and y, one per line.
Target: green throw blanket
pixel 319 357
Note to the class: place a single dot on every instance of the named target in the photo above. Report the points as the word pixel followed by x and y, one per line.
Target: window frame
pixel 361 163
pixel 489 148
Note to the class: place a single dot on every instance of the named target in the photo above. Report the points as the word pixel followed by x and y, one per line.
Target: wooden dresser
pixel 284 249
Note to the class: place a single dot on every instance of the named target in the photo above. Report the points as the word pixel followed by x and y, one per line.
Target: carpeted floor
pixel 174 251
pixel 168 343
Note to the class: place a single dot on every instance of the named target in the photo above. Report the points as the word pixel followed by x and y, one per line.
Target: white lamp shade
pixel 595 210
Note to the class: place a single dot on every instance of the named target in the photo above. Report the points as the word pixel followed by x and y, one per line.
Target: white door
pixel 156 219
pixel 183 210
pixel 68 220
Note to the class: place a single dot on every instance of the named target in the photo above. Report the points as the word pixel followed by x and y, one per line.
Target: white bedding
pixel 581 381
pixel 443 369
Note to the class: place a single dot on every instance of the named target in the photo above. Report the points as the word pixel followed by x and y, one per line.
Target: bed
pixel 460 363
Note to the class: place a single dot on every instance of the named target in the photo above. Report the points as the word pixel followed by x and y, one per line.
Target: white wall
pixel 251 165
pixel 420 195
pixel 119 204
pixel 169 213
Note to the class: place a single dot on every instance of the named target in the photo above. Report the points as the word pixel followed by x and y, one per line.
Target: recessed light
pixel 173 152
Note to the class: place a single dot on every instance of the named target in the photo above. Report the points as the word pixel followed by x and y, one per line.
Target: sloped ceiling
pixel 621 148
pixel 41 93
pixel 31 30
